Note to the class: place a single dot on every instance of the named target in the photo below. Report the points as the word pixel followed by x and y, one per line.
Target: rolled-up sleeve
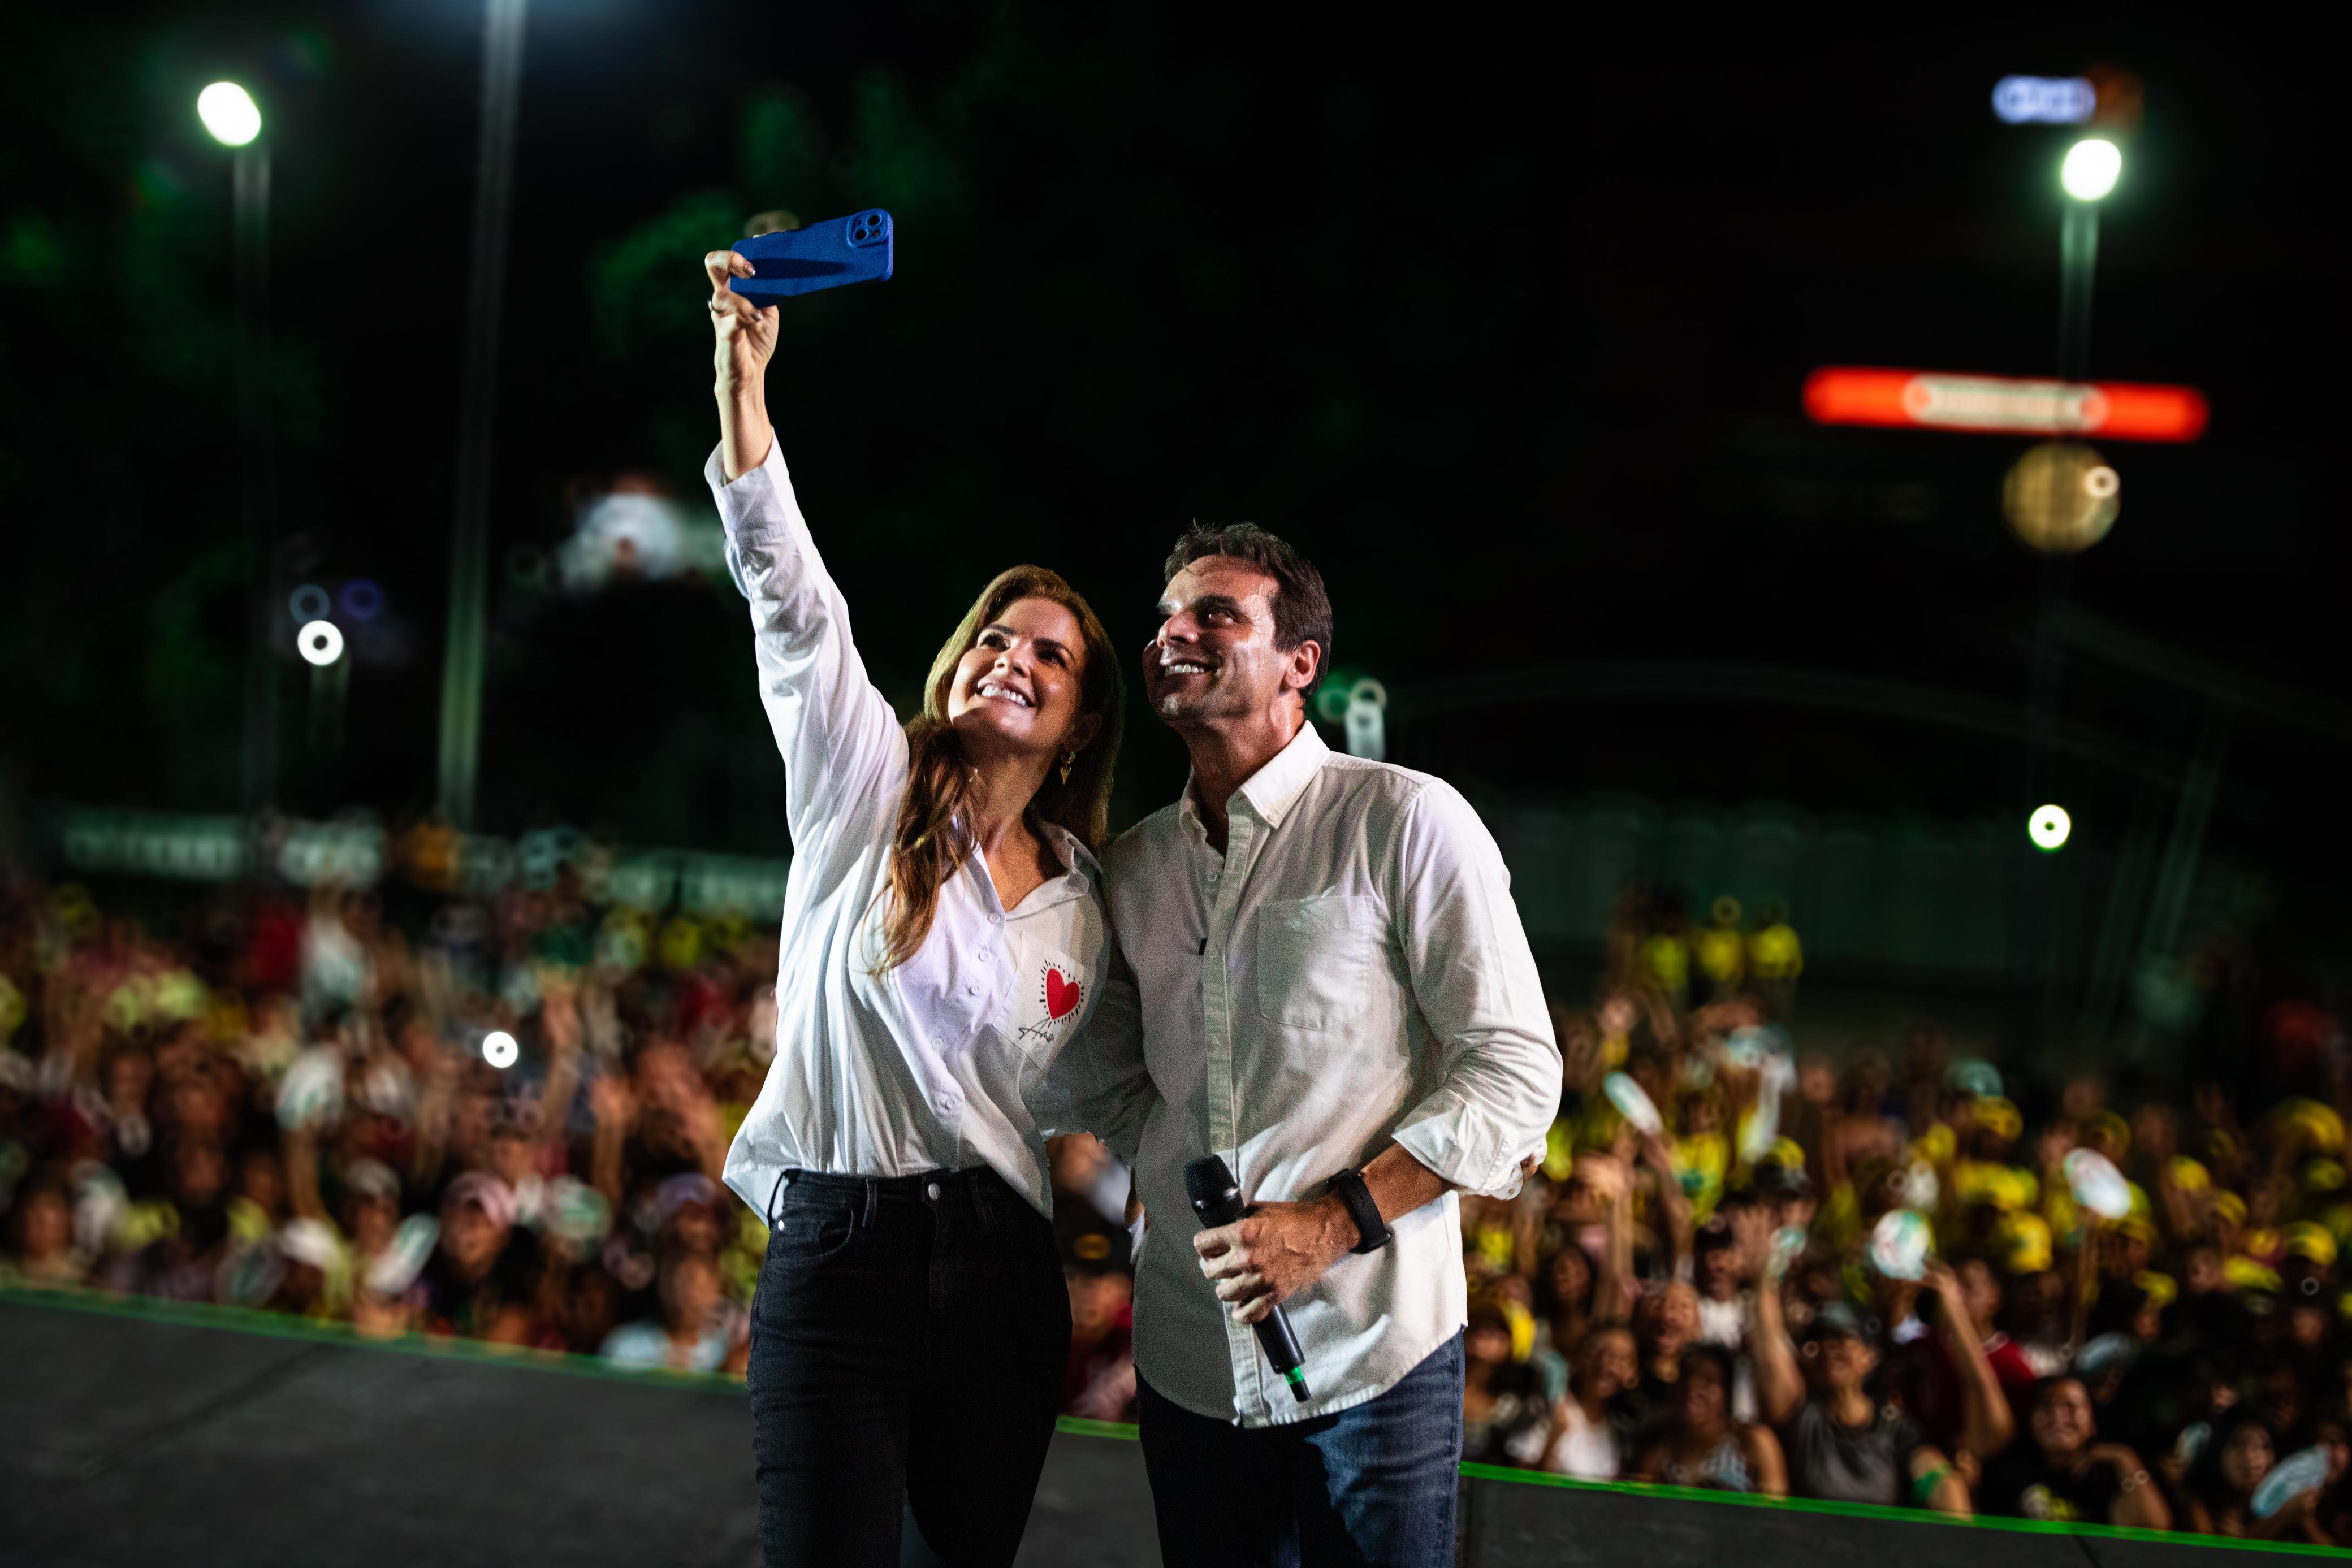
pixel 840 742
pixel 1474 979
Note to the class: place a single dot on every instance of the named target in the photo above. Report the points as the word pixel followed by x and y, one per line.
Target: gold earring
pixel 1069 760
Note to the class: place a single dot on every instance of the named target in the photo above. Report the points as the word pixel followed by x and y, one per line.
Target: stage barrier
pixel 136 1432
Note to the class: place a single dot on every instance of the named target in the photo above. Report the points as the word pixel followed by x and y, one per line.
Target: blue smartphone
pixel 855 249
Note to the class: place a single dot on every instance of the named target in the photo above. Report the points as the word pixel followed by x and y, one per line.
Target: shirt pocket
pixel 1314 960
pixel 1051 994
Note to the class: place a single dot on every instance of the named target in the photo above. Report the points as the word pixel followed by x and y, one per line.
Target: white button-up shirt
pixel 927 1066
pixel 1350 973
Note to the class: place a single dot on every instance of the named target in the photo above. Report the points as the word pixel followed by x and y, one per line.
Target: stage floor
pixel 137 1436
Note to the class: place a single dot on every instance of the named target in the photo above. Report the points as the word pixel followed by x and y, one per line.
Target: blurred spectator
pixel 483 1281
pixel 692 1332
pixel 1702 1446
pixel 1585 1440
pixel 1842 1444
pixel 1100 1381
pixel 1503 1407
pixel 2231 1466
pixel 2064 1473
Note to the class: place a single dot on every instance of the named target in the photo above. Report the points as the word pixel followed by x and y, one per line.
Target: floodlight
pixel 320 641
pixel 229 112
pixel 2091 168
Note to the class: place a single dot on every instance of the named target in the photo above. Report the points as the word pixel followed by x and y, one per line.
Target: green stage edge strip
pixel 278 1325
pixel 1899 1515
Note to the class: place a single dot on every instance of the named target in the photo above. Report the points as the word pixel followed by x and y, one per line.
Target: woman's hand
pixel 746 339
pixel 746 334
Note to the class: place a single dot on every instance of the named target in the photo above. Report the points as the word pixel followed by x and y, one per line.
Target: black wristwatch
pixel 1372 1231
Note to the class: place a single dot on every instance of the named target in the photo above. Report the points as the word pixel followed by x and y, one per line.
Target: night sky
pixel 1506 328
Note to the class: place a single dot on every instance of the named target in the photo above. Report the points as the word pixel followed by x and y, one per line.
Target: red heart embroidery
pixel 1061 995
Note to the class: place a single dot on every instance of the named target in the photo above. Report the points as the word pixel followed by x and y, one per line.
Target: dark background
pixel 1504 326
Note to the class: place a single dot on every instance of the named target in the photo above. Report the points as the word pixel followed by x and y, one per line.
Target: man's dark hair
pixel 1302 610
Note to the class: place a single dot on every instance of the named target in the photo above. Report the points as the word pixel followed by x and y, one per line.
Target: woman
pixel 1584 1441
pixel 2066 1473
pixel 691 1333
pixel 943 933
pixel 2227 1472
pixel 1503 1403
pixel 1705 1446
pixel 1564 1292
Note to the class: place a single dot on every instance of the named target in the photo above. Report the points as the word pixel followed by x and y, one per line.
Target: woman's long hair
pixel 931 840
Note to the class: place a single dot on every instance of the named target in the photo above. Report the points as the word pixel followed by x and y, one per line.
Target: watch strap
pixel 1372 1231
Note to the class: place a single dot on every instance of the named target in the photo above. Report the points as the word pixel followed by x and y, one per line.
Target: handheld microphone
pixel 1217 1199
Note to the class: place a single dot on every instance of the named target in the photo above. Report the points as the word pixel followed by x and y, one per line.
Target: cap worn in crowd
pixel 485 1191
pixel 371 1178
pixel 2311 1242
pixel 676 1192
pixel 1836 1318
pixel 1093 1250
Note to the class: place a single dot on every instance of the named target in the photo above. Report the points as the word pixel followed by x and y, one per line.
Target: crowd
pixel 501 1121
pixel 1740 1266
pixel 1743 1267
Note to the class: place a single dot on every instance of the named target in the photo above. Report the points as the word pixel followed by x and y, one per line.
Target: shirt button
pixel 996 920
pixel 932 1192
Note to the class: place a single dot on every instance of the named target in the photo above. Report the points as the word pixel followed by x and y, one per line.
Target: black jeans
pixel 908 1337
pixel 1373 1484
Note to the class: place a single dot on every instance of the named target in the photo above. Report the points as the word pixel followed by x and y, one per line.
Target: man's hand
pixel 1273 1252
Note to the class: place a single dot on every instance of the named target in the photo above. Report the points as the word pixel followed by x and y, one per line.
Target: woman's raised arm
pixel 841 743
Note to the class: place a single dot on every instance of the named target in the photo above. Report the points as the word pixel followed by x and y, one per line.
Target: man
pixel 1319 977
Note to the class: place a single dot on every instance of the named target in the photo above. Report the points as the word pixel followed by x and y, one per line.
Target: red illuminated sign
pixel 1938 399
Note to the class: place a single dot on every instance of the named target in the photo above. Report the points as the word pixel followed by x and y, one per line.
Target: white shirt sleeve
pixel 1099 1082
pixel 1474 979
pixel 840 741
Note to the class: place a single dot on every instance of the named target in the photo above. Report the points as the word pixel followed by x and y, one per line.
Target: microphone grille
pixel 1206 1179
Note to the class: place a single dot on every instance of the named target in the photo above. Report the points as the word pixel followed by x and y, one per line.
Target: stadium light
pixel 320 641
pixel 229 112
pixel 2091 167
pixel 2049 827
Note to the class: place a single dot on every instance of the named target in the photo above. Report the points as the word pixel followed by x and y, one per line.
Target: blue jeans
pixel 909 1338
pixel 1373 1484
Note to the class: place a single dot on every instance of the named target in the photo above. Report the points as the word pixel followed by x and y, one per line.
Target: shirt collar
pixel 1276 786
pixel 1065 846
pixel 1071 850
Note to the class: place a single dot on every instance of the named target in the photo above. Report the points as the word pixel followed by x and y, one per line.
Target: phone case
pixel 855 249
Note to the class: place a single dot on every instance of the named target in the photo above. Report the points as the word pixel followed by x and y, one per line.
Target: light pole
pixel 2087 174
pixel 2090 170
pixel 464 647
pixel 234 120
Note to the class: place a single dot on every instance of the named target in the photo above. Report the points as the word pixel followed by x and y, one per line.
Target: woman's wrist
pixel 745 432
pixel 740 396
